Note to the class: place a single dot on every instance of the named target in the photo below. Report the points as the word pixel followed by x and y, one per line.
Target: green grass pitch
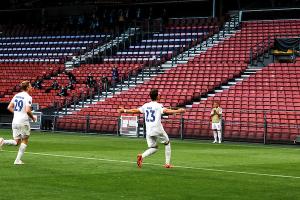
pixel 65 166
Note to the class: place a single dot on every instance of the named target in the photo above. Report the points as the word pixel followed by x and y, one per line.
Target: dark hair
pixel 24 85
pixel 217 102
pixel 154 94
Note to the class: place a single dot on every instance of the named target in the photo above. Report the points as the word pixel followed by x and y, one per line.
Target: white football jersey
pixel 152 112
pixel 20 101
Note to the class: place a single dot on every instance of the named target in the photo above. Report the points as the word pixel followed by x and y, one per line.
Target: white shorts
pixel 20 131
pixel 216 126
pixel 152 140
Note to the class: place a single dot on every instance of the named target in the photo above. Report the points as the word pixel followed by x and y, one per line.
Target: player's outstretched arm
pixel 171 111
pixel 131 111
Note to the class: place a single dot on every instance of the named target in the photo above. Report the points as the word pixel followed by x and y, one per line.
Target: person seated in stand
pixel 90 81
pixel 55 85
pixel 47 76
pixel 104 81
pixel 70 85
pixel 97 87
pixel 115 75
pixel 63 92
pixel 38 83
pixel 71 76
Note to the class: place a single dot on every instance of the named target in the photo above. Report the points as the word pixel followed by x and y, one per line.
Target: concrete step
pixel 245 76
pixel 166 65
pixel 238 79
pixel 73 110
pixel 64 109
pixel 63 113
pixel 218 90
pixel 231 83
pixel 185 58
pixel 254 68
pixel 72 106
pixel 181 61
pixel 79 103
pixel 249 72
pixel 225 87
pixel 145 77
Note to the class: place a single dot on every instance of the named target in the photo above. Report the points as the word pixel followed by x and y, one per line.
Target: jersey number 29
pixel 150 115
pixel 18 105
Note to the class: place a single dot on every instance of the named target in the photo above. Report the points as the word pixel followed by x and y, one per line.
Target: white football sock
pixel 168 153
pixel 215 135
pixel 149 152
pixel 220 135
pixel 10 142
pixel 21 151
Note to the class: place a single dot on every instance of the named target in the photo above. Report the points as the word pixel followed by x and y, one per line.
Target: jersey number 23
pixel 150 115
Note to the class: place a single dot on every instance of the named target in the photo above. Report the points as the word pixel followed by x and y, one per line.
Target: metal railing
pixel 263 126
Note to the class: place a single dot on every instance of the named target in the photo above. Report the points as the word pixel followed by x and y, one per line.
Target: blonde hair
pixel 24 85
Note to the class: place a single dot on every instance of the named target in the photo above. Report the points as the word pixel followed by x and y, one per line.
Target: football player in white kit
pixel 154 129
pixel 20 106
pixel 216 119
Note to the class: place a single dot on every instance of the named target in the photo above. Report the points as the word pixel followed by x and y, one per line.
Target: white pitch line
pixel 154 164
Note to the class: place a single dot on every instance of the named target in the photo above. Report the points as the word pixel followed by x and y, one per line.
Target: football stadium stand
pixel 205 72
pixel 262 105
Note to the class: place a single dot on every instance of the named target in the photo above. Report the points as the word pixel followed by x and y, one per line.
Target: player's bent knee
pixel 166 143
pixel 18 142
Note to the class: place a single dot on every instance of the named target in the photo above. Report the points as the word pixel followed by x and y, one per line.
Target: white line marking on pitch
pixel 154 164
